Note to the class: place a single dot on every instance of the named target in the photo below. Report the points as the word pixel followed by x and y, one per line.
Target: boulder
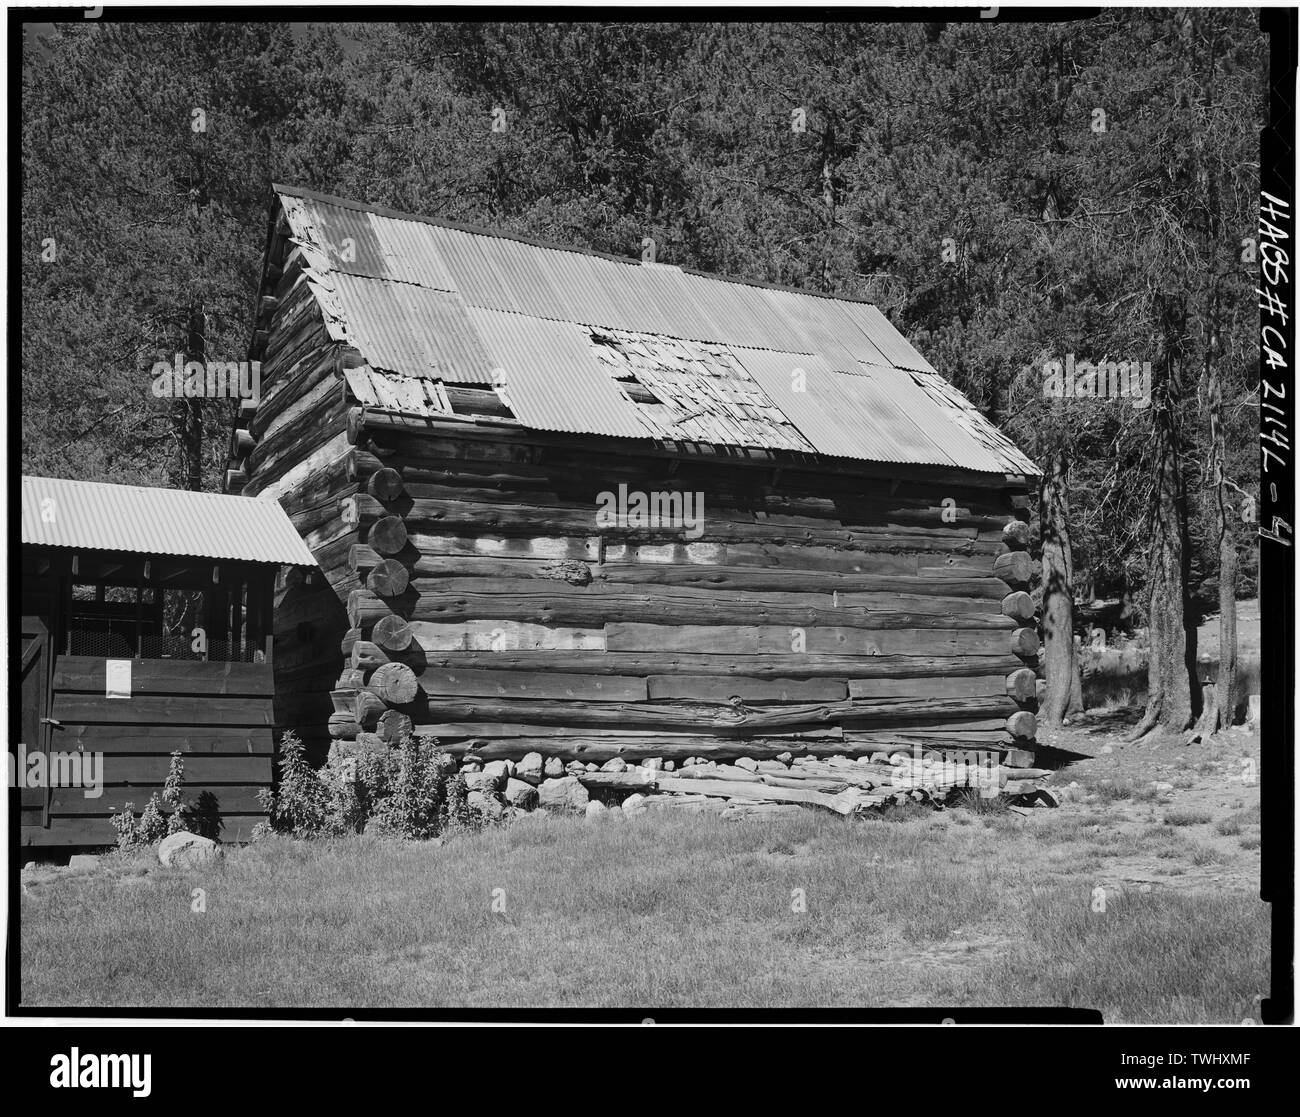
pixel 553 769
pixel 669 765
pixel 747 763
pixel 565 794
pixel 501 769
pixel 592 766
pixel 484 781
pixel 634 805
pixel 83 861
pixel 486 805
pixel 531 769
pixel 521 794
pixel 617 764
pixel 596 811
pixel 655 762
pixel 184 850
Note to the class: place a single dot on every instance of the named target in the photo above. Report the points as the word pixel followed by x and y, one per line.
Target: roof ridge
pixel 537 242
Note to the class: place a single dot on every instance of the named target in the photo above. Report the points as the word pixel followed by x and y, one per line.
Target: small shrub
pixel 1228 827
pixel 411 791
pixel 971 799
pixel 154 823
pixel 300 804
pixel 1185 818
pixel 1250 841
pixel 428 794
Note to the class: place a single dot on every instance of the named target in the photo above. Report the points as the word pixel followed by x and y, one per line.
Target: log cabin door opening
pixel 35 735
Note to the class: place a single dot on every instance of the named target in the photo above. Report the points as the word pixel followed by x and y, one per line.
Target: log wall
pixel 814 613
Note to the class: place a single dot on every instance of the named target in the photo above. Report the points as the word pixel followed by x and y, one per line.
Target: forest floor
pixel 1138 897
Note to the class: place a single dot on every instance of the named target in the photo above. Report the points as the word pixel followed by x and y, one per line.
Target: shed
pixel 146 629
pixel 584 505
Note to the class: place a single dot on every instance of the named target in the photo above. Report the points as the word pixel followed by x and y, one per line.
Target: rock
pixel 565 794
pixel 501 769
pixel 532 768
pixel 553 768
pixel 87 861
pixel 785 758
pixel 1106 749
pixel 747 763
pixel 471 766
pixel 574 767
pixel 592 766
pixel 654 762
pixel 634 805
pixel 616 813
pixel 483 781
pixel 521 794
pixel 183 850
pixel 617 764
pixel 486 805
pixel 669 766
pixel 770 766
pixel 1163 786
pixel 596 811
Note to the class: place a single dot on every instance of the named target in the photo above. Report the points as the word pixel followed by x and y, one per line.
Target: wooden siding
pixel 218 715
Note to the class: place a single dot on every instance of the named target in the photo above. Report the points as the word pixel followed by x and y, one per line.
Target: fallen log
pixel 844 803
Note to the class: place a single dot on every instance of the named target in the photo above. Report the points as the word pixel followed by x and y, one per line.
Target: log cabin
pixel 146 617
pixel 599 507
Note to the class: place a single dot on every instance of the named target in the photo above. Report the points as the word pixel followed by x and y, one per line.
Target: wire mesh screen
pixel 118 622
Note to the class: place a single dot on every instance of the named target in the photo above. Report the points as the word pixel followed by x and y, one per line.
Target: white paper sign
pixel 117 681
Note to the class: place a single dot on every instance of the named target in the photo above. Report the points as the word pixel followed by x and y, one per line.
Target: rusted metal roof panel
pixel 897 350
pixel 410 251
pixel 826 411
pixel 412 330
pixel 550 378
pixel 95 516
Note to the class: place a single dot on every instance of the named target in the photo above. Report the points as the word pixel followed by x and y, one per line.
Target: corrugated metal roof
pixel 94 516
pixel 413 331
pixel 550 378
pixel 423 298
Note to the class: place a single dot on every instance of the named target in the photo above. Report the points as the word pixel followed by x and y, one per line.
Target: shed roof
pixel 583 342
pixel 94 516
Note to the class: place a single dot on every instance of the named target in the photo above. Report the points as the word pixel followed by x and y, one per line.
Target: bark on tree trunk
pixel 1173 692
pixel 1221 707
pixel 1063 683
pixel 187 416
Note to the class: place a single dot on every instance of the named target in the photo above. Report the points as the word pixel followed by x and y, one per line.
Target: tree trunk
pixel 1219 713
pixel 187 416
pixel 1063 683
pixel 1173 693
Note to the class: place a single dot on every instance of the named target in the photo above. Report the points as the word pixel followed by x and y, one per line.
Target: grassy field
pixel 959 908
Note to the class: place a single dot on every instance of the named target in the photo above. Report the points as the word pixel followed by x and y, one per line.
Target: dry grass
pixel 957 909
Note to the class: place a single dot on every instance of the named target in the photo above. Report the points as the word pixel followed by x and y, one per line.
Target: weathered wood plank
pixel 161 676
pixel 940 686
pixel 162 710
pixel 722 688
pixel 520 684
pixel 163 739
pixel 837 640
